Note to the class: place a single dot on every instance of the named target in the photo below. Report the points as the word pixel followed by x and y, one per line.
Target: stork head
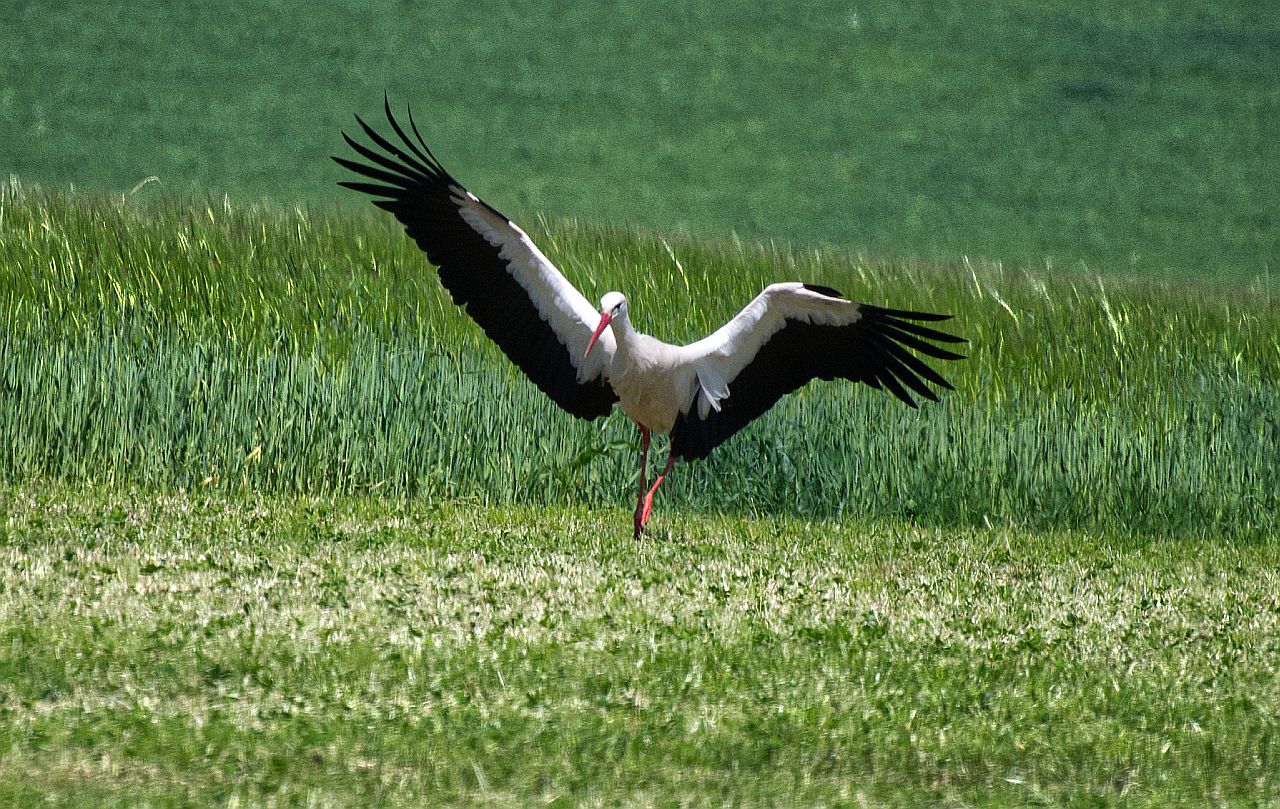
pixel 612 306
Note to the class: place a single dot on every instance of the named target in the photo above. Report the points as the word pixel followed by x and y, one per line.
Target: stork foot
pixel 646 506
pixel 644 457
pixel 641 517
pixel 645 510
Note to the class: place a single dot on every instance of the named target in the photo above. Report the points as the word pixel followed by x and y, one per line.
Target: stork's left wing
pixel 490 266
pixel 793 333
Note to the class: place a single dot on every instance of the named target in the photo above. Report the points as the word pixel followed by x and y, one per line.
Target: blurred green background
pixel 1137 138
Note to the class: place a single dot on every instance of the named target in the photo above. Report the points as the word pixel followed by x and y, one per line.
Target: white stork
pixel 588 360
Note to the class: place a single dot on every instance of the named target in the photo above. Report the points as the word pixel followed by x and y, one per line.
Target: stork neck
pixel 623 333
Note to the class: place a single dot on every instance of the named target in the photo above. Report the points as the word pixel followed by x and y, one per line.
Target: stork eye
pixel 616 307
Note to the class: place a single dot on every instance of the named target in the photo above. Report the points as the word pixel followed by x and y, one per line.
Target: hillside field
pixel 1131 139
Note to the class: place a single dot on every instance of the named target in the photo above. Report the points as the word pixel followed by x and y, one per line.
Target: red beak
pixel 605 319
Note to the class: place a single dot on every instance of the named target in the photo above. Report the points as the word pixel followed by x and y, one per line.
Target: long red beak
pixel 605 319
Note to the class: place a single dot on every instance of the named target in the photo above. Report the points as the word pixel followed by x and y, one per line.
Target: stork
pixel 588 360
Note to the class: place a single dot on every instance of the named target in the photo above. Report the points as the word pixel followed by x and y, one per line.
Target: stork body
pixel 588 360
pixel 653 379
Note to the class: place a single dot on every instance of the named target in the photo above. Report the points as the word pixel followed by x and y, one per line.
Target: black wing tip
pixel 899 319
pixel 347 163
pixel 386 107
pixel 825 291
pixel 905 314
pixel 411 158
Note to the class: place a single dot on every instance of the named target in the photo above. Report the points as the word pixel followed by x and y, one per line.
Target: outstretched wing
pixel 793 333
pixel 490 267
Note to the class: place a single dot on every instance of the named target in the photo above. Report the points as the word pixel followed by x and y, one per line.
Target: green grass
pixel 282 529
pixel 192 650
pixel 1135 139
pixel 178 345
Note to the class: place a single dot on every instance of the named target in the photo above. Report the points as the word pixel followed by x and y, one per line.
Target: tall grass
pixel 185 344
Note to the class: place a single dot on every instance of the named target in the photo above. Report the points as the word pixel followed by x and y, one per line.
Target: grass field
pixel 280 528
pixel 180 650
pixel 283 530
pixel 1132 139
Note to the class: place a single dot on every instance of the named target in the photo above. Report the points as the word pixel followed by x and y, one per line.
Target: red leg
pixel 648 498
pixel 644 460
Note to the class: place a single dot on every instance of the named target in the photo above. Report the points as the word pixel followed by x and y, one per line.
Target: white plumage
pixel 656 382
pixel 586 361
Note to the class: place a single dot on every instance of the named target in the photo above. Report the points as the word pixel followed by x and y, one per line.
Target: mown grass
pixel 1135 138
pixel 196 345
pixel 188 650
